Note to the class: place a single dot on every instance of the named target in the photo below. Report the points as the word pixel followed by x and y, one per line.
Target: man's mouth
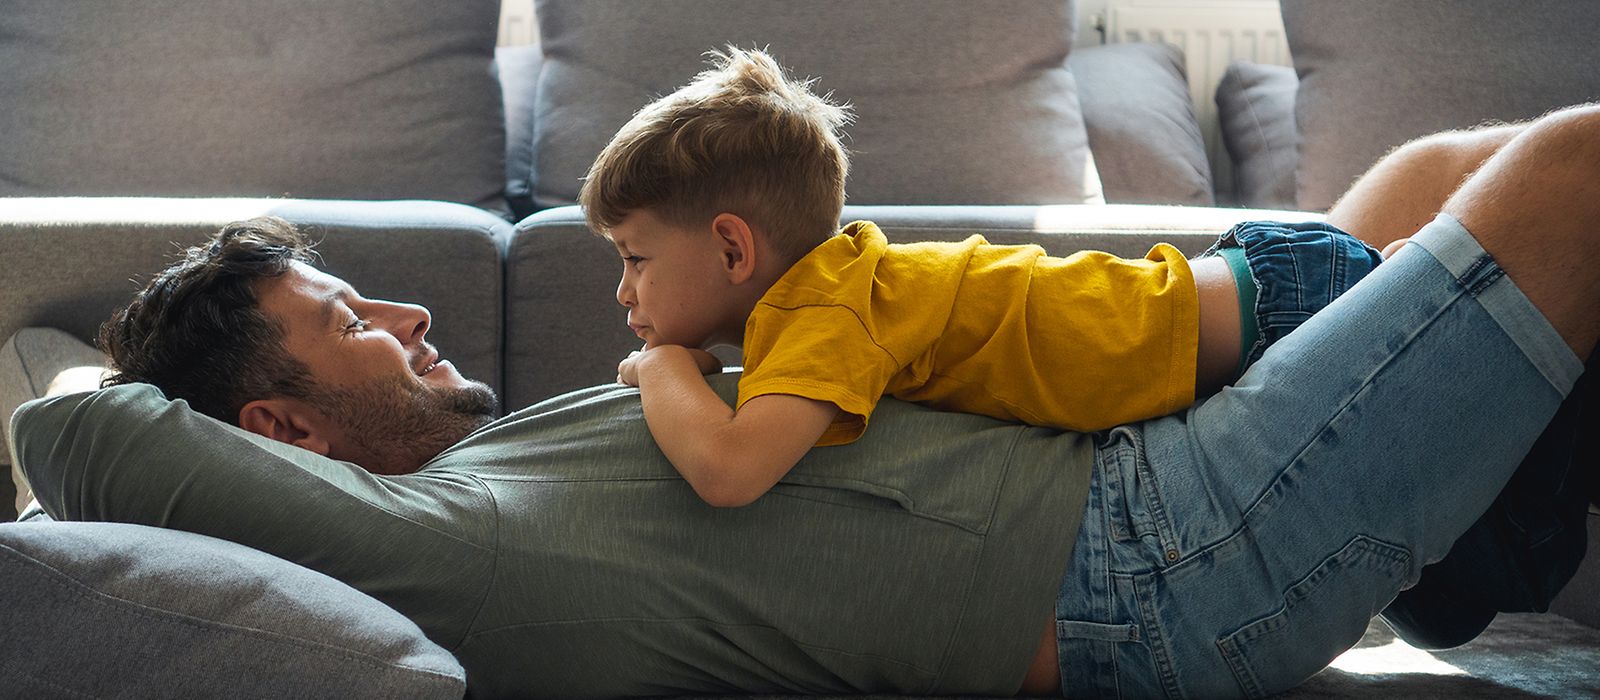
pixel 430 363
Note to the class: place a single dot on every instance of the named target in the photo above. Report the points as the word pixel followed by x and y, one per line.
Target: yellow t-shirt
pixel 1084 343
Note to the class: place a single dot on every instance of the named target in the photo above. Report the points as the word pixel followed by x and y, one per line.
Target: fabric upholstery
pixel 518 68
pixel 443 256
pixel 1142 128
pixel 949 110
pixel 345 99
pixel 29 361
pixel 1375 74
pixel 1255 107
pixel 117 610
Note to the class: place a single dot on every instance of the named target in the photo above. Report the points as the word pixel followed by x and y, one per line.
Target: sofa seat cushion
pixel 342 99
pixel 956 101
pixel 116 610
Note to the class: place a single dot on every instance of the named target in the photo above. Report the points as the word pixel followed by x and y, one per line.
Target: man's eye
pixel 359 324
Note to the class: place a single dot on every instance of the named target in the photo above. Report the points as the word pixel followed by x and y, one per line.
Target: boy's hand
pixel 628 369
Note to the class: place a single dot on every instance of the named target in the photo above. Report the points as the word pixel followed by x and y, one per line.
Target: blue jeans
pixel 1237 548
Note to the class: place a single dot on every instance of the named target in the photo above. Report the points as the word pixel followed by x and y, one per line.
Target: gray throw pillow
pixel 341 99
pixel 518 68
pixel 1377 73
pixel 29 361
pixel 1142 127
pixel 1255 106
pixel 96 610
pixel 956 101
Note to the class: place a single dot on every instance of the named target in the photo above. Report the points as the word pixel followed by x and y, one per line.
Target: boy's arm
pixel 729 458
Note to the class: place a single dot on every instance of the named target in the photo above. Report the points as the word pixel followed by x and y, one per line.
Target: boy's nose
pixel 625 294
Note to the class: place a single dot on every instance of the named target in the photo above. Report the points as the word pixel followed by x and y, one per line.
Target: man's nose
pixel 408 322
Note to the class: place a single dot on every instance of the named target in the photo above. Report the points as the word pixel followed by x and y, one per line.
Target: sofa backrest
pixel 352 99
pixel 949 109
pixel 1377 73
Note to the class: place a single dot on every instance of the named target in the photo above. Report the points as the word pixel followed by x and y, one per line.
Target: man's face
pixel 674 284
pixel 395 402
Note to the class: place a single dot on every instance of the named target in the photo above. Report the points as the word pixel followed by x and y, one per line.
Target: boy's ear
pixel 288 421
pixel 739 249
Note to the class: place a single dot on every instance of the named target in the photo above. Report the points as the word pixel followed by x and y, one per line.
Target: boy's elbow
pixel 727 493
pixel 724 485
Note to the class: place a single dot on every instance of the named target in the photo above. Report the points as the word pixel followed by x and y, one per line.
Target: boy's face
pixel 674 284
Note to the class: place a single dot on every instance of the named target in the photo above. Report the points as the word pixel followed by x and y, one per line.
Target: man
pixel 1231 550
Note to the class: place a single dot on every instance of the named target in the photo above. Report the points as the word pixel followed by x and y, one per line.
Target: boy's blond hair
pixel 741 138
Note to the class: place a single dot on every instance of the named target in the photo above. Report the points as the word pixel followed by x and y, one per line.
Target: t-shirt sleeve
pixel 128 454
pixel 820 352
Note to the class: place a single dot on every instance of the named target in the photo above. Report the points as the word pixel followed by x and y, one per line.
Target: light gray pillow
pixel 29 361
pixel 117 610
pixel 1255 106
pixel 1377 73
pixel 341 99
pixel 1142 127
pixel 957 101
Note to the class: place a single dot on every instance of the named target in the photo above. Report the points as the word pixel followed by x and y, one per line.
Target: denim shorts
pixel 1236 548
pixel 1295 270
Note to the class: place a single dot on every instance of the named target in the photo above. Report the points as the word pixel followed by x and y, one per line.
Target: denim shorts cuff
pixel 1454 247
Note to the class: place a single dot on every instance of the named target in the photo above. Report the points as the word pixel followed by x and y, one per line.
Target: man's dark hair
pixel 197 331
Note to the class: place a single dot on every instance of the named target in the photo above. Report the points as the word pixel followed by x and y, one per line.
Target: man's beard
pixel 395 426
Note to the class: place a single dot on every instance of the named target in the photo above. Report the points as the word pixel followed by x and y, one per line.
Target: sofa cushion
pixel 29 362
pixel 1376 73
pixel 1142 127
pixel 518 69
pixel 956 101
pixel 1255 107
pixel 117 610
pixel 341 99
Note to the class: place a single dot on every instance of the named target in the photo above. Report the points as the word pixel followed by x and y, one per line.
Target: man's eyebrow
pixel 329 304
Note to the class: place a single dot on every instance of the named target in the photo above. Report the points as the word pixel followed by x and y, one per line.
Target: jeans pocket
pixel 1323 614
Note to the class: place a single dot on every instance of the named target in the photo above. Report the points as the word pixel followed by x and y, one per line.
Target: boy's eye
pixel 632 259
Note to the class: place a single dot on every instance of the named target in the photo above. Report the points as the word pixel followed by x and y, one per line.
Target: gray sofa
pixel 437 169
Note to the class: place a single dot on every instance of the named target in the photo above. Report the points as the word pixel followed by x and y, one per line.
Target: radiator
pixel 1211 33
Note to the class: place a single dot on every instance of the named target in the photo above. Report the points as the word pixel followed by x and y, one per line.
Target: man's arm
pixel 729 457
pixel 422 543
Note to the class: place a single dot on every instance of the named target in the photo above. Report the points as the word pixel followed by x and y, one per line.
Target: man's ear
pixel 288 421
pixel 739 249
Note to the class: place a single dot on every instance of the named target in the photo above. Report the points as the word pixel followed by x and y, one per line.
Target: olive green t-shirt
pixel 558 554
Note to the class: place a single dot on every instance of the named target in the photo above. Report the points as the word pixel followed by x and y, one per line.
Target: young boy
pixel 722 199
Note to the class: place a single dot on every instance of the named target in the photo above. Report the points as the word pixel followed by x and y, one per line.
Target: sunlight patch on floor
pixel 1393 658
